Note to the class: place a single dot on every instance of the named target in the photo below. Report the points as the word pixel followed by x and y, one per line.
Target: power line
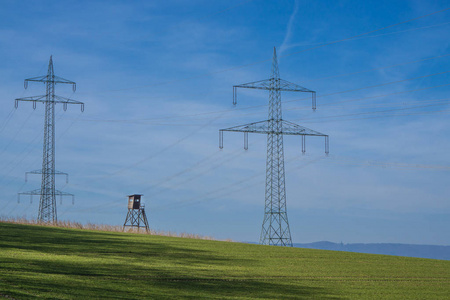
pixel 162 150
pixel 286 55
pixel 262 105
pixel 335 159
pixel 294 100
pixel 386 164
pixel 445 101
pixel 20 155
pixel 205 197
pixel 17 133
pixel 234 155
pixel 145 159
pixel 119 202
pixel 182 172
pixel 382 34
pixel 323 117
pixel 221 162
pixel 367 33
pixel 378 85
pixel 288 101
pixel 29 146
pixel 8 118
pixel 70 126
pixel 380 68
pixel 378 96
pixel 377 117
pixel 328 104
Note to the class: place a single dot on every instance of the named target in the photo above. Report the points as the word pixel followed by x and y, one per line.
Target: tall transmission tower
pixel 47 192
pixel 275 227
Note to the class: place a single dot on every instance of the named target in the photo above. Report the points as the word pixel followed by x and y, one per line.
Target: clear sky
pixel 156 78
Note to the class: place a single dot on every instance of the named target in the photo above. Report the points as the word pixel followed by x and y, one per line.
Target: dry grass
pixel 103 227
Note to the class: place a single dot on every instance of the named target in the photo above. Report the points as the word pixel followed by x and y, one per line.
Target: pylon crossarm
pixel 50 79
pixel 41 98
pixel 261 85
pixel 44 99
pixel 39 192
pixel 42 78
pixel 60 193
pixel 66 101
pixel 287 86
pixel 294 129
pixel 268 84
pixel 60 99
pixel 255 127
pixel 55 79
pixel 33 192
pixel 42 172
pixel 262 127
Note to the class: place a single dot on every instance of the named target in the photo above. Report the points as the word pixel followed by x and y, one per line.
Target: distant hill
pixel 422 251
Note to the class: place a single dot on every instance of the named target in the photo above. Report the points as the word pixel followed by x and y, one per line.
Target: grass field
pixel 61 263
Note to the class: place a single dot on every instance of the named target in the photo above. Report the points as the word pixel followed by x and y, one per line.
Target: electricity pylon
pixel 47 192
pixel 275 227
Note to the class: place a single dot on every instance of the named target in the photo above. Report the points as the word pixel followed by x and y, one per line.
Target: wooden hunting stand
pixel 136 214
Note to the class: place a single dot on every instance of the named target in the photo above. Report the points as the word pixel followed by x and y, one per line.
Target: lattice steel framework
pixel 275 227
pixel 47 193
pixel 136 218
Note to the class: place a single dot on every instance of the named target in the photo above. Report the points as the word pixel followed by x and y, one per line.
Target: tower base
pixel 136 218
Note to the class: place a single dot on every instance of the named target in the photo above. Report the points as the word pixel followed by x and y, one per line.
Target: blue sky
pixel 156 78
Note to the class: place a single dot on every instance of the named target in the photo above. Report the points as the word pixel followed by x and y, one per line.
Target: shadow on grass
pixel 68 264
pixel 89 244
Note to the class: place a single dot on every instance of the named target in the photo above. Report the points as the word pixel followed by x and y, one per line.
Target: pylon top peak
pixel 50 66
pixel 275 70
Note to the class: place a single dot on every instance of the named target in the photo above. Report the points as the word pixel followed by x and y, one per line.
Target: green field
pixel 59 263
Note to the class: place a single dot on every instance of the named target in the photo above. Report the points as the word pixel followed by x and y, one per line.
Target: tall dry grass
pixel 102 227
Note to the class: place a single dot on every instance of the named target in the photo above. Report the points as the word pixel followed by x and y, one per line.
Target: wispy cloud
pixel 288 35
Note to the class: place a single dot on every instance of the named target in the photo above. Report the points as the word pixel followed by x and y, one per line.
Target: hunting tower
pixel 136 216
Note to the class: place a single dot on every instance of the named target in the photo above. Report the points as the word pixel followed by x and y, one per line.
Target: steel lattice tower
pixel 275 227
pixel 47 193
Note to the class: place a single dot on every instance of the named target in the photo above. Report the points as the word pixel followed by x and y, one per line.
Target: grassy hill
pixel 49 263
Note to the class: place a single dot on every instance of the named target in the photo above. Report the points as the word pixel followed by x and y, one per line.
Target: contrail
pixel 288 34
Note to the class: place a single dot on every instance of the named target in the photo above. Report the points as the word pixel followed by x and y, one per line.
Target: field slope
pixel 57 263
